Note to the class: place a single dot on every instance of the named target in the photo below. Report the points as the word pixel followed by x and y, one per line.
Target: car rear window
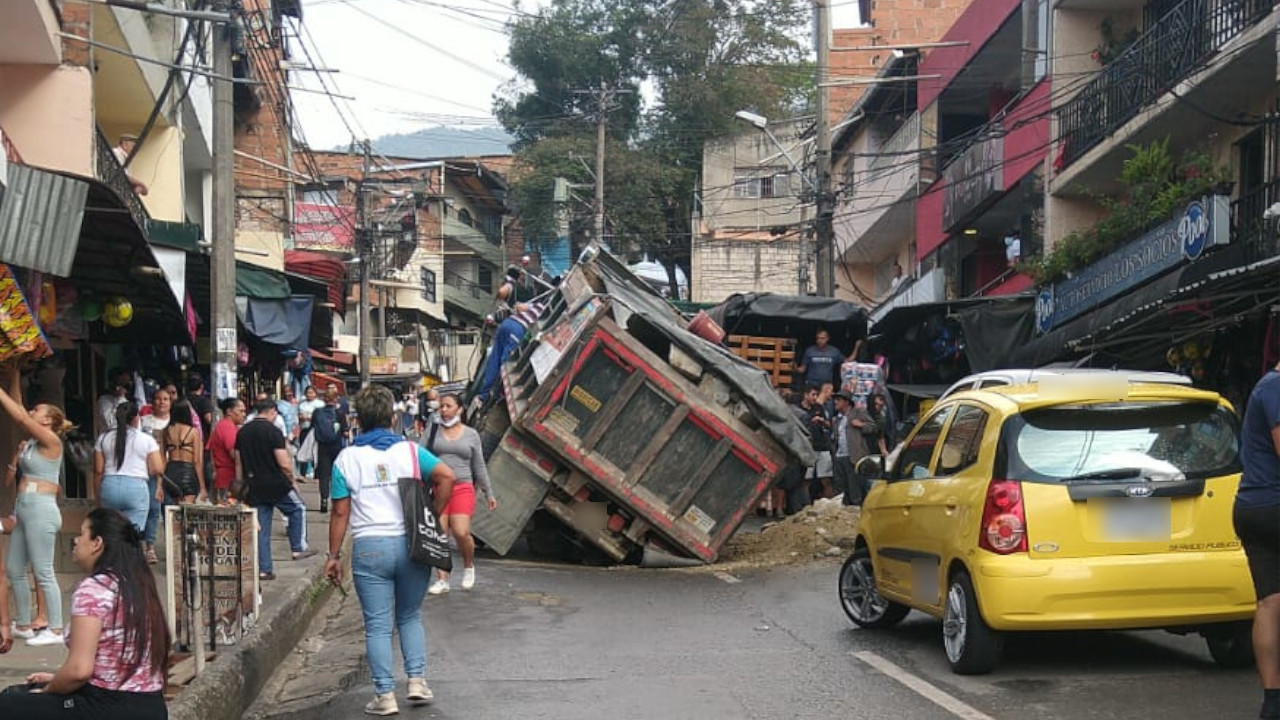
pixel 1158 441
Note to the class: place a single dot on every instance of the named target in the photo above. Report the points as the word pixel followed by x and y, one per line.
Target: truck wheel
pixel 972 647
pixel 859 598
pixel 1231 645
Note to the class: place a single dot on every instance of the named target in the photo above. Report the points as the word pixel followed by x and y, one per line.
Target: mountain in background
pixel 442 141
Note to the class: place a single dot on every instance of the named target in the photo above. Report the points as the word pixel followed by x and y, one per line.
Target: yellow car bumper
pixel 1116 592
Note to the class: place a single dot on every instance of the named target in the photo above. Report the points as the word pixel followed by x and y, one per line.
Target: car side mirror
pixel 871 466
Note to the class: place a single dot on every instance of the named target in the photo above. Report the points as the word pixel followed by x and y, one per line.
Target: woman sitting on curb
pixel 119 639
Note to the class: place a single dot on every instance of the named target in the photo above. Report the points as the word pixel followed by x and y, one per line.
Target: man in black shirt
pixel 200 402
pixel 264 466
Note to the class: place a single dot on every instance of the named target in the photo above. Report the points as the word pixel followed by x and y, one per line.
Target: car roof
pixel 1019 376
pixel 1027 396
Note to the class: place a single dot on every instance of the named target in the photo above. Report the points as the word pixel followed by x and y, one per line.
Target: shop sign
pixel 324 227
pixel 1203 224
pixel 972 179
pixel 382 365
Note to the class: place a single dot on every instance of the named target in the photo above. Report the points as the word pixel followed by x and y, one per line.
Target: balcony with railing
pixel 1177 45
pixel 473 240
pixel 465 295
pixel 874 216
pixel 1257 233
pixel 109 171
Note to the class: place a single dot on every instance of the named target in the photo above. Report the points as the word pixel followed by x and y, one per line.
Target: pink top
pixel 97 596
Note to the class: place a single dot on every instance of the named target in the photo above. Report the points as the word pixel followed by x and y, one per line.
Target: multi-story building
pixel 747 229
pixel 1188 86
pixel 435 234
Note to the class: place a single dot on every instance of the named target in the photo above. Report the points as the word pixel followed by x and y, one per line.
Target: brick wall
pixel 77 19
pixel 893 22
pixel 722 267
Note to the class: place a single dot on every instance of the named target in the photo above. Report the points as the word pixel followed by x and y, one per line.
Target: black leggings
pixel 89 703
pixel 325 455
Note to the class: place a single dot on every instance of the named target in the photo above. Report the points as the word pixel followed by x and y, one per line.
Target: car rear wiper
pixel 1112 474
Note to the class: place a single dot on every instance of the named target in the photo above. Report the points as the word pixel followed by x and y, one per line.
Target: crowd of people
pixel 842 428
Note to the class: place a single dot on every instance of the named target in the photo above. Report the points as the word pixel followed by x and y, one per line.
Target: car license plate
pixel 1133 520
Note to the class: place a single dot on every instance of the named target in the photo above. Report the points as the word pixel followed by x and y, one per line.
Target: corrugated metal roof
pixel 40 218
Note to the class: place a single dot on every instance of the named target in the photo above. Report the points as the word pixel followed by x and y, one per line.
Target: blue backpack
pixel 322 423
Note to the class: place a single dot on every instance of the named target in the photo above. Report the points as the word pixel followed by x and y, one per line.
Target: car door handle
pixel 952 504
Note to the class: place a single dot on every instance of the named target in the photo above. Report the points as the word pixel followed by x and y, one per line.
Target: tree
pixel 698 62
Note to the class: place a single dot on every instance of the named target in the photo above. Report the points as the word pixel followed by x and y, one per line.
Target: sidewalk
pixel 234 678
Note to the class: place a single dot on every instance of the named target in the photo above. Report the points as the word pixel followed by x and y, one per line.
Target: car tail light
pixel 1004 522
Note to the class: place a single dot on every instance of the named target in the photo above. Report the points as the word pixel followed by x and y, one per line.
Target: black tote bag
pixel 428 542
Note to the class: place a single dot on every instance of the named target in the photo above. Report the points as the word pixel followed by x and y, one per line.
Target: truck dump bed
pixel 629 429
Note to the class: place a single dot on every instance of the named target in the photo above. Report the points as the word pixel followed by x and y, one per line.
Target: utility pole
pixel 223 263
pixel 602 119
pixel 824 231
pixel 366 259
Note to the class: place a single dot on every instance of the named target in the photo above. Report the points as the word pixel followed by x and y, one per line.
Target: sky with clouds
pixel 409 64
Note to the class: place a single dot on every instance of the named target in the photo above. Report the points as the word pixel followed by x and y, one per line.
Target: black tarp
pixel 994 332
pixel 792 316
pixel 286 323
pixel 752 383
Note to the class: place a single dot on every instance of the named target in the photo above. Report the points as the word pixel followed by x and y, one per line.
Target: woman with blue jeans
pixel 124 461
pixel 391 587
pixel 35 535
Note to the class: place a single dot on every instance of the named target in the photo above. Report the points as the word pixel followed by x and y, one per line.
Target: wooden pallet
pixel 776 356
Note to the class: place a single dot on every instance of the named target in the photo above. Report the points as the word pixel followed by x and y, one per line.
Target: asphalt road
pixel 568 642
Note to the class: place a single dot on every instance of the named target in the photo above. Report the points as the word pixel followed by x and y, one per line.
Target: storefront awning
pixel 1221 286
pixel 792 316
pixel 325 268
pixel 40 218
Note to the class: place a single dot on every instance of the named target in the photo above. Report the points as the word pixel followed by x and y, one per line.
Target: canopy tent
pixel 792 316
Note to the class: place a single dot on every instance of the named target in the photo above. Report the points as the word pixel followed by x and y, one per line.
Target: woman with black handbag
pixel 367 501
pixel 459 447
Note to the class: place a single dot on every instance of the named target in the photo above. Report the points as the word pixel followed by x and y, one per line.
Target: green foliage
pixel 1155 187
pixel 1112 45
pixel 689 66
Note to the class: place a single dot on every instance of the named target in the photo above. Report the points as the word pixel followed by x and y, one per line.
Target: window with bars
pixel 428 284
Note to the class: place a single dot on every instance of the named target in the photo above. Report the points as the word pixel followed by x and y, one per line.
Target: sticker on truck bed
pixel 584 398
pixel 699 519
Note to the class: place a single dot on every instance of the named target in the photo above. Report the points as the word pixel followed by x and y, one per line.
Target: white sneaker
pixel 439 587
pixel 384 704
pixel 468 578
pixel 419 693
pixel 24 634
pixel 46 637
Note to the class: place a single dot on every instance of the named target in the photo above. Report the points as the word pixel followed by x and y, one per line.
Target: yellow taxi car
pixel 1091 503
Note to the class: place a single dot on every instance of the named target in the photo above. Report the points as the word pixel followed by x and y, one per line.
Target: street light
pixel 762 124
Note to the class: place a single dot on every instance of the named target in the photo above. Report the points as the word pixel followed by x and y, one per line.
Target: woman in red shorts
pixel 459 447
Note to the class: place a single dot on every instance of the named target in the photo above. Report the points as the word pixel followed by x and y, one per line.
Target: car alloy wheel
pixel 972 647
pixel 955 623
pixel 859 598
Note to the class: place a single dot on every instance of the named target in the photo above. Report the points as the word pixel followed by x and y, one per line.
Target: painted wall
pixel 48 112
pixel 976 26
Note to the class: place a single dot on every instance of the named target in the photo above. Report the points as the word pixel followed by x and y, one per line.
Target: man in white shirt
pixel 116 393
pixel 277 420
pixel 121 151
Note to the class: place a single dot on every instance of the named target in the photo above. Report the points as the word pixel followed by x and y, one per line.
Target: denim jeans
pixel 505 342
pixel 34 541
pixel 155 511
pixel 130 496
pixel 293 509
pixel 389 585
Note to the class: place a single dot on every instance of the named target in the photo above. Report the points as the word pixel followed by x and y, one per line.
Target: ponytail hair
pixel 126 412
pixel 58 421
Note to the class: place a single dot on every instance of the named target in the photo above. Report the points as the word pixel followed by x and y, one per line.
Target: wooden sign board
pixel 227 578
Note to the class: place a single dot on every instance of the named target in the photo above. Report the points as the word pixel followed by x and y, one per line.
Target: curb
pixel 230 684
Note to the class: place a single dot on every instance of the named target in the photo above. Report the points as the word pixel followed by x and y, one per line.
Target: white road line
pixel 925 689
pixel 727 577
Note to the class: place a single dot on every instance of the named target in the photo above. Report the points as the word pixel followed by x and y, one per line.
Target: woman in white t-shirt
pixel 123 459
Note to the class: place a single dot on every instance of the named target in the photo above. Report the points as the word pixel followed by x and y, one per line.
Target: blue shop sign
pixel 1204 224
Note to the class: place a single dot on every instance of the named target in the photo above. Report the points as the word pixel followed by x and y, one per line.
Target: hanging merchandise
pixel 20 334
pixel 91 310
pixel 48 303
pixel 118 312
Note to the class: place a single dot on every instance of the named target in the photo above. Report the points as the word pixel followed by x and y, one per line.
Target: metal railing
pixel 110 172
pixel 1250 226
pixel 1177 45
pixel 893 152
pixel 458 282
